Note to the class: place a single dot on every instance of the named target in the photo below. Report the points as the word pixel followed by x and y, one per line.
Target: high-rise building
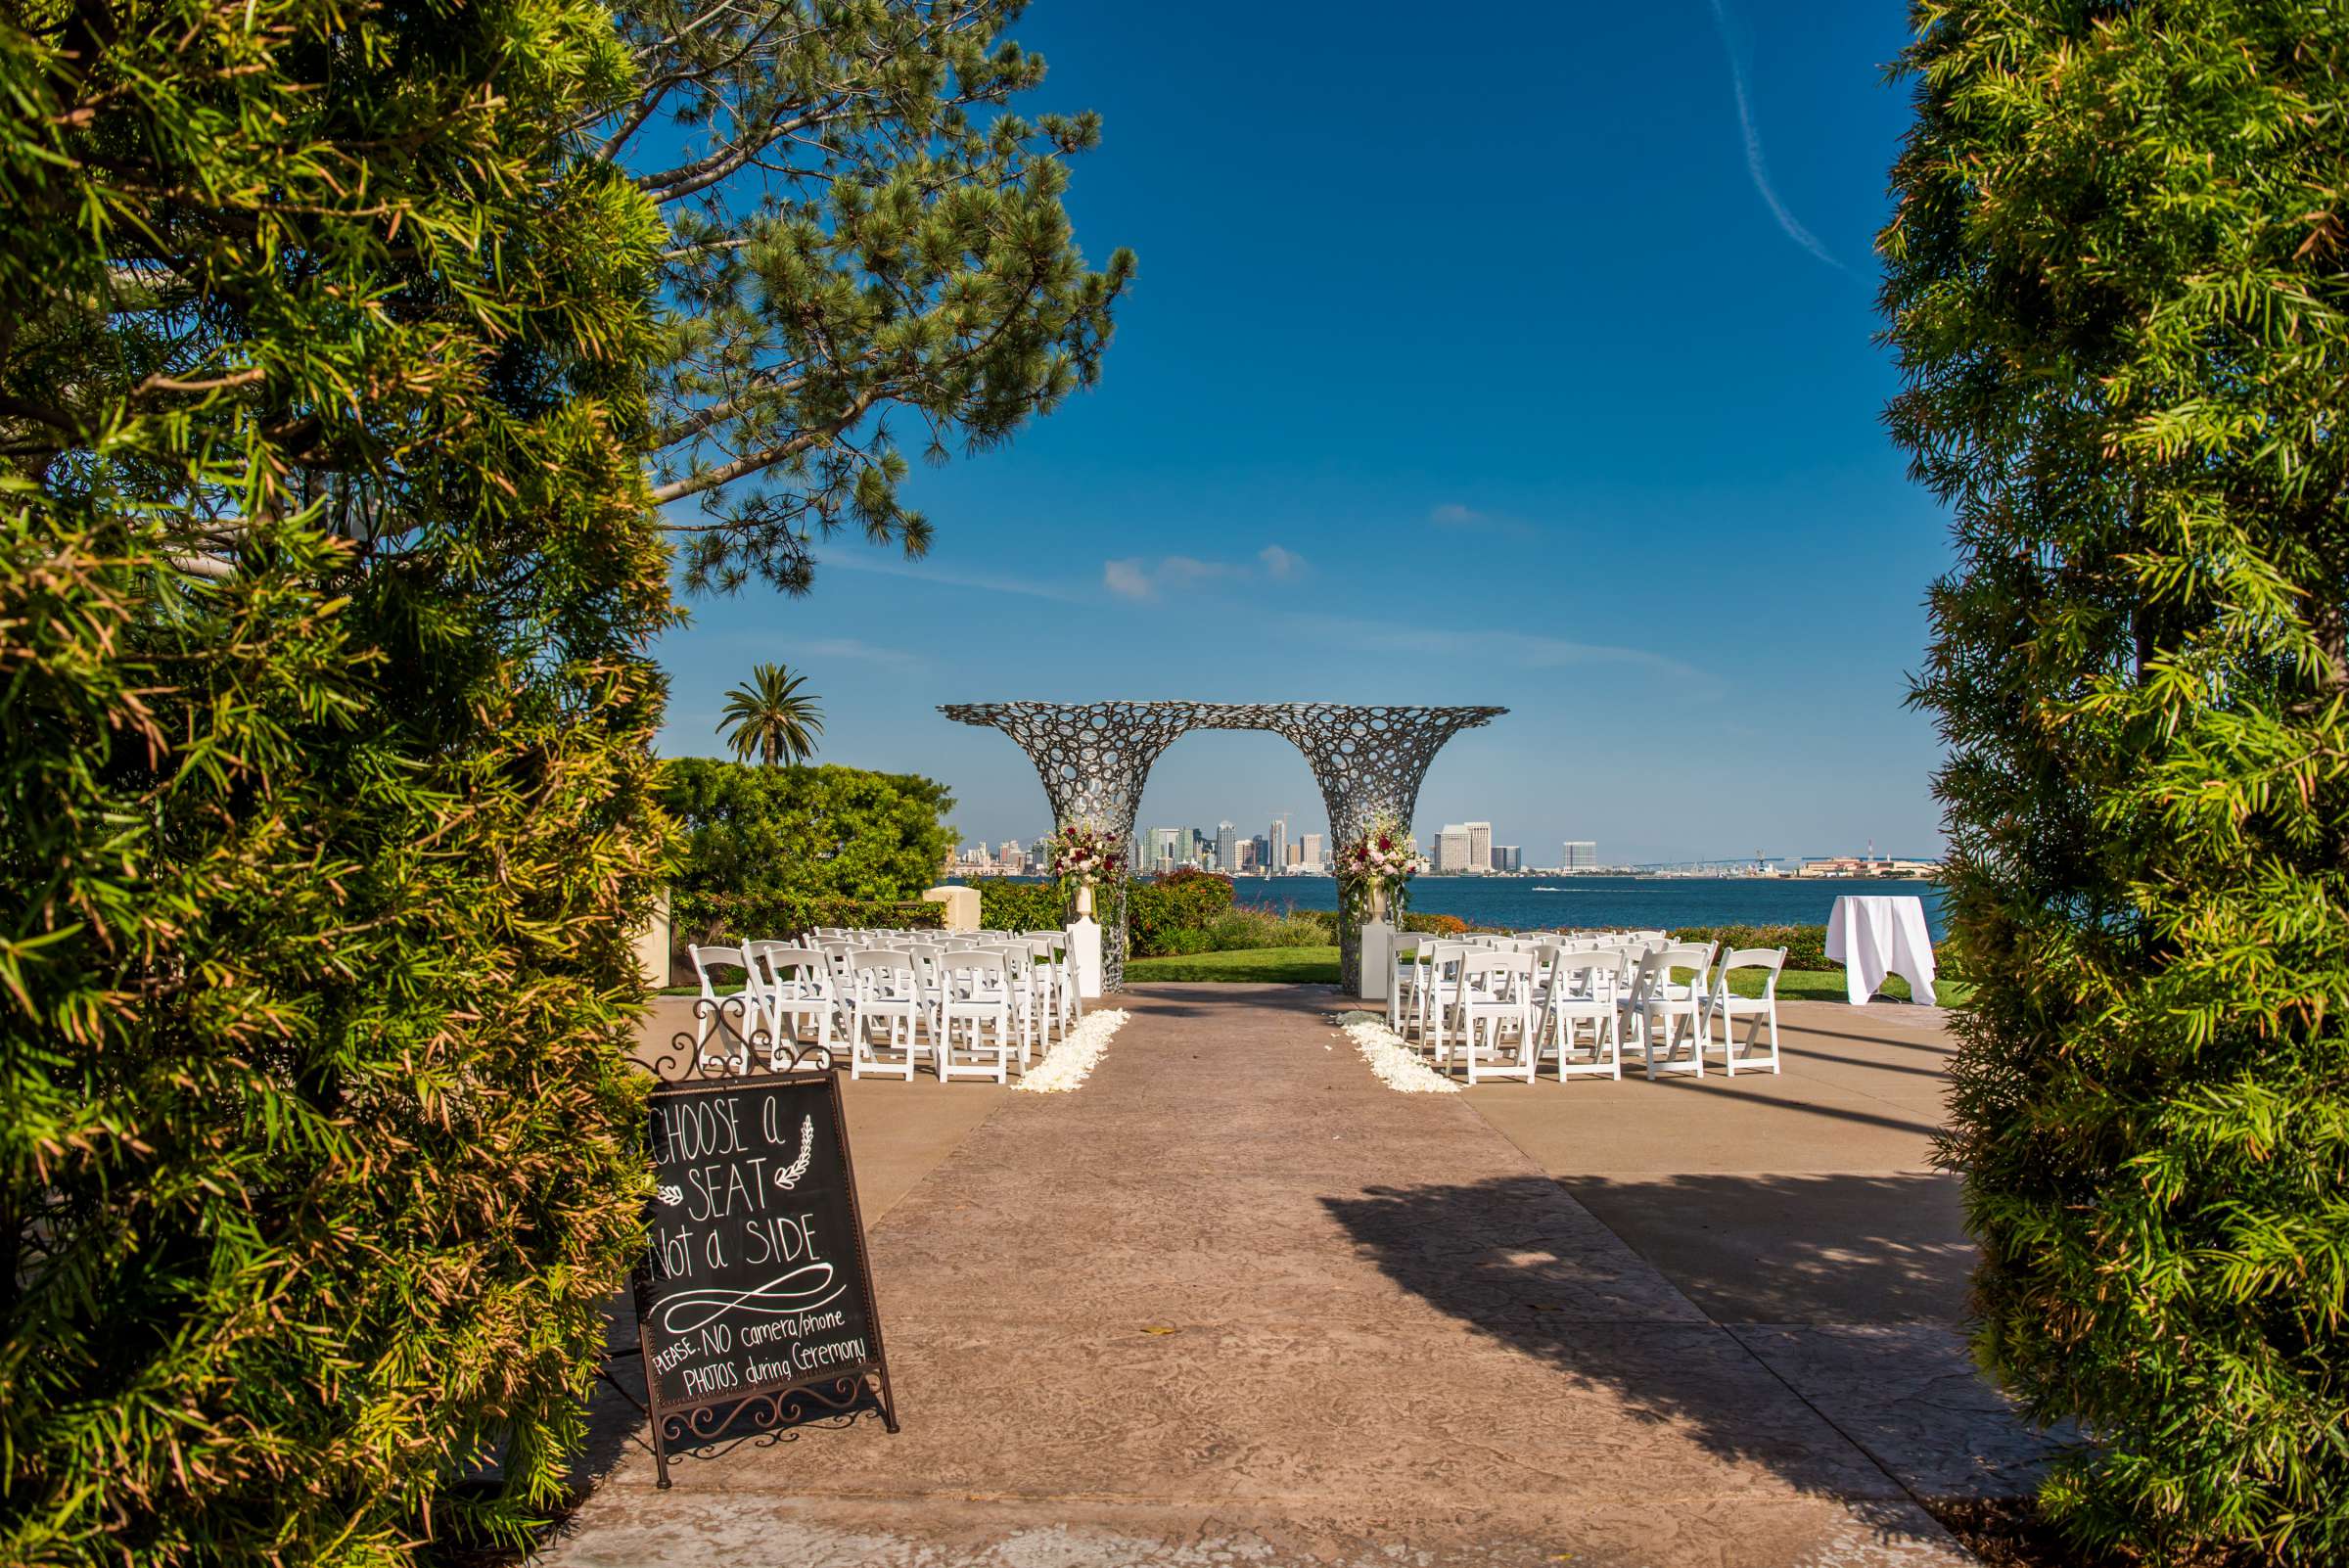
pixel 1308 851
pixel 1479 846
pixel 1294 858
pixel 1507 857
pixel 1451 849
pixel 1228 848
pixel 1167 847
pixel 1581 854
pixel 1009 858
pixel 1259 853
pixel 1276 844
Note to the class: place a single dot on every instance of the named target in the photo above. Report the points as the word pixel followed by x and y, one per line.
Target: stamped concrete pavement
pixel 1235 1302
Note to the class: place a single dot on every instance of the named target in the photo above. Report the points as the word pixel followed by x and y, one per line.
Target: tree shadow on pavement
pixel 1797 1248
pixel 1859 1386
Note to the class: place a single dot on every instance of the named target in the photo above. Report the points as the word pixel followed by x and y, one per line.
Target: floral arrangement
pixel 1083 854
pixel 1378 859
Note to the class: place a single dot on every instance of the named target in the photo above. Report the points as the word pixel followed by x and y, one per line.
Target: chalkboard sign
pixel 754 1284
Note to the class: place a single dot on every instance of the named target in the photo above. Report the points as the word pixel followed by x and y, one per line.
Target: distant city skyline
pixel 1451 849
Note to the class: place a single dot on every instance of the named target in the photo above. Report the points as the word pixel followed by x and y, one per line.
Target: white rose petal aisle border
pixel 1394 1063
pixel 1071 1062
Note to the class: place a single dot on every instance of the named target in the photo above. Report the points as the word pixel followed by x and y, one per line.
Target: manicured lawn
pixel 1279 965
pixel 1296 966
pixel 1306 965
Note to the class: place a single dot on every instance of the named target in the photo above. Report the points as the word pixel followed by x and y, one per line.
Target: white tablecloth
pixel 1874 936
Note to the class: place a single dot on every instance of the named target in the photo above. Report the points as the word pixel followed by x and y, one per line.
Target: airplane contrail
pixel 1755 165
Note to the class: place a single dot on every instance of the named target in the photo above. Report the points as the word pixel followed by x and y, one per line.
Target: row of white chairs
pixel 970 1003
pixel 1504 1006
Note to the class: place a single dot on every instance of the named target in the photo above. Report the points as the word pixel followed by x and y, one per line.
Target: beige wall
pixel 962 906
pixel 652 944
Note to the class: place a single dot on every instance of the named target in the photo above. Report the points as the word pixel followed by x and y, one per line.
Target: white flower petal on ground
pixel 1068 1064
pixel 1393 1062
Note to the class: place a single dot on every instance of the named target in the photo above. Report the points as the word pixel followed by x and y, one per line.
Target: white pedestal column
pixel 1378 959
pixel 1084 955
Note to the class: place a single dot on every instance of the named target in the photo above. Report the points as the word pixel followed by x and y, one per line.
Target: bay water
pixel 1529 903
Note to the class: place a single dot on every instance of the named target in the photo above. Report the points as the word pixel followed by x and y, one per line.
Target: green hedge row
pixel 1159 910
pixel 733 917
pixel 1169 914
pixel 1805 946
pixel 1021 907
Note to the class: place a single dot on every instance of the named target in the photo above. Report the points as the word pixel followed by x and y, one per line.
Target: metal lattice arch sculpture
pixel 1095 758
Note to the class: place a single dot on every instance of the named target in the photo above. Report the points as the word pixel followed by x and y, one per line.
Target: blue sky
pixel 1523 359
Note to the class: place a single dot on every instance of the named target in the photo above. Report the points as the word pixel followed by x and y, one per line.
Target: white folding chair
pixel 973 995
pixel 1442 960
pixel 926 957
pixel 1493 997
pixel 799 995
pixel 1403 985
pixel 1676 1007
pixel 1068 1005
pixel 1726 1007
pixel 1583 992
pixel 746 1002
pixel 887 990
pixel 1028 961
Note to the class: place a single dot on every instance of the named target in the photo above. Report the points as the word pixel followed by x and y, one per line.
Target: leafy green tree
pixel 804 832
pixel 866 243
pixel 2116 284
pixel 771 719
pixel 326 794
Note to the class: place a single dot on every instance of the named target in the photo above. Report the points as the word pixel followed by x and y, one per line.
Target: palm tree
pixel 771 719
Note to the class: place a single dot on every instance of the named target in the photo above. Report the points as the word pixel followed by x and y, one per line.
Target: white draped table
pixel 1874 935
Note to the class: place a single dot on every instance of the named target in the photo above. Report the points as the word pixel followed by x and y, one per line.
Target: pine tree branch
pixel 769 456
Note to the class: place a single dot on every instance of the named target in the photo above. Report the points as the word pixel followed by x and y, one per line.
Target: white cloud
pixel 1755 165
pixel 1184 571
pixel 1453 515
pixel 862 652
pixel 1133 577
pixel 1129 579
pixel 1516 650
pixel 972 582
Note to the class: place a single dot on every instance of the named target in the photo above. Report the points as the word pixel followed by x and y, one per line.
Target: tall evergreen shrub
pixel 2116 286
pixel 755 831
pixel 324 792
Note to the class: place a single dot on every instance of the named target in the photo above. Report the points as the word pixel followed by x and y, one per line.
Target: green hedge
pixel 730 918
pixel 1165 915
pixel 1019 906
pixel 1805 946
pixel 1178 901
pixel 827 832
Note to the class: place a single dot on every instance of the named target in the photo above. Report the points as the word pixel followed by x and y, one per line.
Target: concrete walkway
pixel 1235 1302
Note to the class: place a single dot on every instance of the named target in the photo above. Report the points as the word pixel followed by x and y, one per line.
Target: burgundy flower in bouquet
pixel 1082 856
pixel 1374 868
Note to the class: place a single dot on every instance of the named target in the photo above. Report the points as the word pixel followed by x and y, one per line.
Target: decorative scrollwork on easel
pixel 728 1041
pixel 711 1431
